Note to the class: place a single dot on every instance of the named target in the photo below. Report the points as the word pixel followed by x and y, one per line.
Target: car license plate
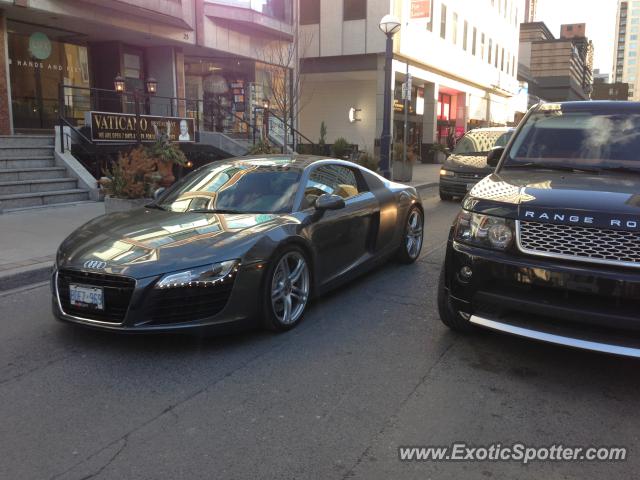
pixel 86 297
pixel 470 186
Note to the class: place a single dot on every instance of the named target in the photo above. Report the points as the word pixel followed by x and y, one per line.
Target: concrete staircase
pixel 29 176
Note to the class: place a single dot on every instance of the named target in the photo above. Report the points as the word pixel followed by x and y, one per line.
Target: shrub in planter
pixel 262 148
pixel 341 148
pixel 131 176
pixel 166 154
pixel 367 160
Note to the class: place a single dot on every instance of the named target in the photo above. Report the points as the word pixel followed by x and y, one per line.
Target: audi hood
pixel 144 242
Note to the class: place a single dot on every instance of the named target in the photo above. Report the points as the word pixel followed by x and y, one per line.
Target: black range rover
pixel 548 247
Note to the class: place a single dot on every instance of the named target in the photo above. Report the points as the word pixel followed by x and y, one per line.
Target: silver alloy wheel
pixel 413 239
pixel 290 288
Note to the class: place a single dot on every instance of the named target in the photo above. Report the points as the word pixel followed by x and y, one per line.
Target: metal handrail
pixel 292 128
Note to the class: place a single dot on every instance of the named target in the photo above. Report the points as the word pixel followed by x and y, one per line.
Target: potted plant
pixel 262 148
pixel 403 171
pixel 367 160
pixel 341 148
pixel 130 181
pixel 166 155
pixel 439 152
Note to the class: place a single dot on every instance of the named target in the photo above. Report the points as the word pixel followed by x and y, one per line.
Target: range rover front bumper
pixel 570 303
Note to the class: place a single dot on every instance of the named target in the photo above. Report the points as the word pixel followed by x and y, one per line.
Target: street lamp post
pixel 389 25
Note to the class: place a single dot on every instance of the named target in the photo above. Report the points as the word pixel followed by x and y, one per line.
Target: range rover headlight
pixel 200 276
pixel 446 173
pixel 484 230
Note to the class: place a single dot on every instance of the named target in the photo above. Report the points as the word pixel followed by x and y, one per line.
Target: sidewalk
pixel 29 240
pixel 425 175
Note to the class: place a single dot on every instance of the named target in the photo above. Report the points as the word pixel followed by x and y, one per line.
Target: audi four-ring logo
pixel 95 264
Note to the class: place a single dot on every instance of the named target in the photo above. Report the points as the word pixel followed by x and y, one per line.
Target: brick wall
pixel 5 125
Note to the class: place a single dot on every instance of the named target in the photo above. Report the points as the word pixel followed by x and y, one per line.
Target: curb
pixel 16 280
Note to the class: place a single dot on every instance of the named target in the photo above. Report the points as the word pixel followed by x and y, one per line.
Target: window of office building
pixel 490 51
pixel 40 59
pixel 354 9
pixel 482 44
pixel 455 28
pixel 465 34
pixel 309 12
pixel 474 41
pixel 443 21
pixel 502 59
pixel 496 58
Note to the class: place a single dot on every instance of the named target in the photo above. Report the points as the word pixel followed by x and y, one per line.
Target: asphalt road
pixel 370 369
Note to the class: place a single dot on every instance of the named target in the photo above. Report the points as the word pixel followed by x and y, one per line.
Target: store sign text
pixel 123 127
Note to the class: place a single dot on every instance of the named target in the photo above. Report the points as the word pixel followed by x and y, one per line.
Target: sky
pixel 600 17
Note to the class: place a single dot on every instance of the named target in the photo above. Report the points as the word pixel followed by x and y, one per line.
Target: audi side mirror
pixel 158 193
pixel 493 158
pixel 329 202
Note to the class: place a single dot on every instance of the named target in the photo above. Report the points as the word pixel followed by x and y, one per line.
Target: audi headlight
pixel 484 230
pixel 200 276
pixel 447 173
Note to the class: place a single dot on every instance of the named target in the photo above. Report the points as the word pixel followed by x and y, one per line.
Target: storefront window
pixel 38 63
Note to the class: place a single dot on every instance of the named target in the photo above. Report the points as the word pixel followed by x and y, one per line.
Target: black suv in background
pixel 548 247
pixel 467 164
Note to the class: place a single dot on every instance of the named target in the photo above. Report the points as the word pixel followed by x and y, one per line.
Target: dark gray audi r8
pixel 234 242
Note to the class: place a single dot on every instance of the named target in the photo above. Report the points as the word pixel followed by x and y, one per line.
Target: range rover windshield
pixel 578 140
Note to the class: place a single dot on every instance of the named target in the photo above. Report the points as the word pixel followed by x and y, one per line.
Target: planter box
pixel 112 204
pixel 402 172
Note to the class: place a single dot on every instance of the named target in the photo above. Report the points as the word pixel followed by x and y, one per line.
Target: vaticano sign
pixel 420 9
pixel 123 127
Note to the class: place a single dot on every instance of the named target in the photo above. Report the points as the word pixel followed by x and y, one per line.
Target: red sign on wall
pixel 421 9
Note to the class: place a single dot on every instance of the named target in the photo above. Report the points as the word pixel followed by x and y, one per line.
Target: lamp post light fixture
pixel 118 84
pixel 389 25
pixel 265 118
pixel 152 86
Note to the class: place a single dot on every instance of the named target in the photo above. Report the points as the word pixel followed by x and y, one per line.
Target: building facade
pixel 625 61
pixel 194 49
pixel 561 69
pixel 463 65
pixel 610 91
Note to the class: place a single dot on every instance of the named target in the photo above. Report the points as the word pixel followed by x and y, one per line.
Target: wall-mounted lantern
pixel 354 115
pixel 152 86
pixel 118 84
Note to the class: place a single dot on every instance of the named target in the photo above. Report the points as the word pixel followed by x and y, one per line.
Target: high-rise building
pixel 625 59
pixel 560 69
pixel 530 11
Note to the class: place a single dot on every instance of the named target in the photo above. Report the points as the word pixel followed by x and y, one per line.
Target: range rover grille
pixel 595 245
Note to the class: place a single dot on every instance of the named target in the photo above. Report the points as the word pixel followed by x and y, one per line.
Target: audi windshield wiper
pixel 214 210
pixel 551 166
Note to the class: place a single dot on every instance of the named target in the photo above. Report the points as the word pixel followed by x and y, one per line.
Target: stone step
pixel 23 200
pixel 26 140
pixel 42 173
pixel 25 152
pixel 26 162
pixel 37 186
